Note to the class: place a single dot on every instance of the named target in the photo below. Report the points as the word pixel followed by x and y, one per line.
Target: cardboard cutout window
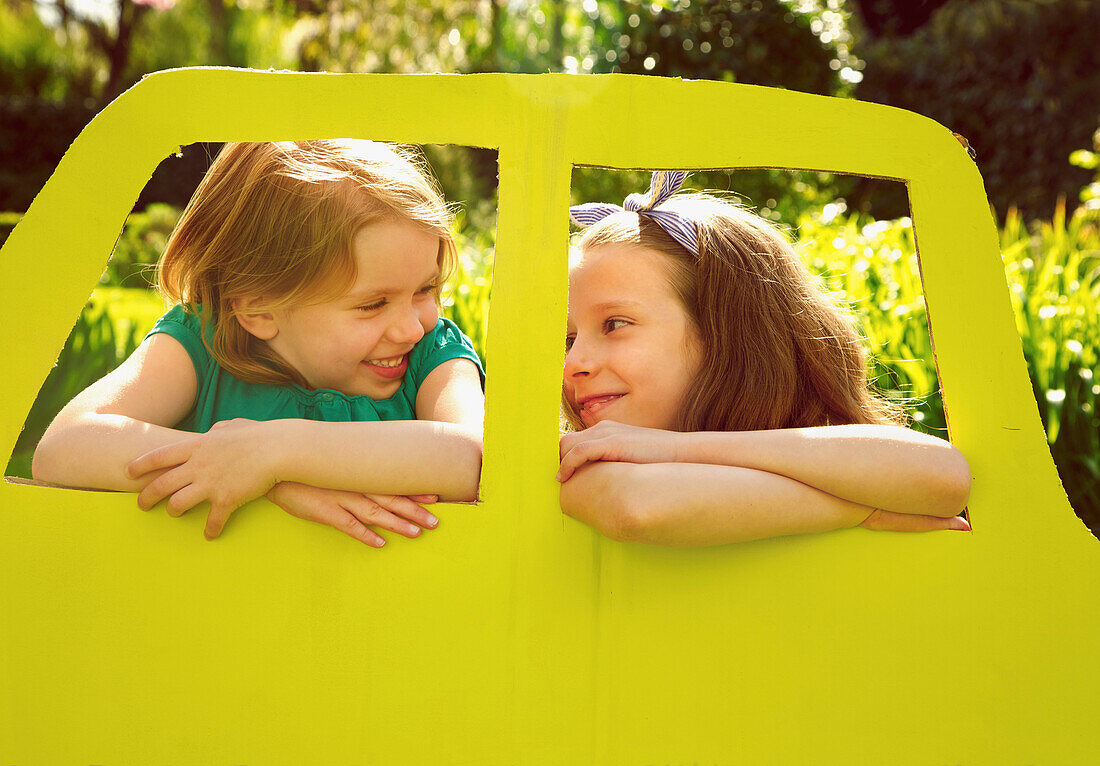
pixel 519 636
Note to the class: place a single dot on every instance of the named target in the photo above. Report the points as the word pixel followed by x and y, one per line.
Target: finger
pixel 887 521
pixel 587 452
pixel 337 518
pixel 162 457
pixel 569 441
pixel 164 485
pixel 215 522
pixel 426 499
pixel 347 523
pixel 400 505
pixel 184 500
pixel 370 512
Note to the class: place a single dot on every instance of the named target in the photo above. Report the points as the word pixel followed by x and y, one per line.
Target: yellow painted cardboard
pixel 512 634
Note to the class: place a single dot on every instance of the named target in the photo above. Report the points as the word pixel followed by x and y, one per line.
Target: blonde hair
pixel 778 351
pixel 274 223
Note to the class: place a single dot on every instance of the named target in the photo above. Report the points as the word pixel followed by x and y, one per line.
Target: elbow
pixel 952 485
pixel 45 463
pixel 603 497
pixel 630 522
pixel 468 455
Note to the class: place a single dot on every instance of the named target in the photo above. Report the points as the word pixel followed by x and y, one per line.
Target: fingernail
pixel 558 476
pixel 960 524
pixel 433 522
pixel 378 543
pixel 411 530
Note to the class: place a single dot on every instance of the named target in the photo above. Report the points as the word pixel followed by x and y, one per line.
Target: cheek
pixel 428 315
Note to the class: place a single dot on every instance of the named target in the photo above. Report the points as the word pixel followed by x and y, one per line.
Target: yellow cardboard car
pixel 516 635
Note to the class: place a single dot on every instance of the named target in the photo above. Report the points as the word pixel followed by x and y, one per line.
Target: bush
pixel 1020 79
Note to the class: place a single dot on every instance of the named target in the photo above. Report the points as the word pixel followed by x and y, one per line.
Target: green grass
pixel 1053 274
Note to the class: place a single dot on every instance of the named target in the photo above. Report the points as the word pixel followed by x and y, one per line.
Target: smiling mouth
pixel 590 406
pixel 388 367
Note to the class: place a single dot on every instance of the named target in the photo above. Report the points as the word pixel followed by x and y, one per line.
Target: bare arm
pixel 439 453
pixel 884 467
pixel 688 504
pixel 119 417
pixel 242 460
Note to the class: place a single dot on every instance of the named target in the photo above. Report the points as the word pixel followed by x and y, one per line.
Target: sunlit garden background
pixel 1019 79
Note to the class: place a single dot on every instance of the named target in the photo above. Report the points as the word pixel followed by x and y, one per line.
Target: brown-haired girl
pixel 305 348
pixel 718 395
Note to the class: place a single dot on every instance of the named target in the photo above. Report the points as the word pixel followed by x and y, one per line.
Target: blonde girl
pixel 716 394
pixel 305 357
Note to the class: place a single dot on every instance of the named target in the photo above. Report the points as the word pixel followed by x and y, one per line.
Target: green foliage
pixel 139 247
pixel 210 32
pixel 1053 270
pixel 1089 160
pixel 33 63
pixel 871 267
pixel 466 297
pixel 1020 79
pixel 761 43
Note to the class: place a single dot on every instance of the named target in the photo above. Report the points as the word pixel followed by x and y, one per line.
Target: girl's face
pixel 632 350
pixel 359 342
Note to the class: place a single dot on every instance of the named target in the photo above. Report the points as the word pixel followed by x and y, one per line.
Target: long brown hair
pixel 778 351
pixel 274 223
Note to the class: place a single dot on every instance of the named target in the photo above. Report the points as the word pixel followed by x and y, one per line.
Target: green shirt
pixel 221 396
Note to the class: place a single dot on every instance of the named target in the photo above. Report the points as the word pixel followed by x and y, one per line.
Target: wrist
pixel 709 447
pixel 275 440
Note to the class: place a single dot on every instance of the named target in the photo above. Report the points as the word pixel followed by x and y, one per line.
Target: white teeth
pixel 386 362
pixel 599 400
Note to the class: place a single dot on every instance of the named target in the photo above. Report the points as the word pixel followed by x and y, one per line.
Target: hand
pixel 617 443
pixel 352 512
pixel 227 466
pixel 886 521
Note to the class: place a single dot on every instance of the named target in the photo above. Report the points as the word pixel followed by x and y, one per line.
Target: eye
pixel 611 325
pixel 569 339
pixel 429 288
pixel 372 306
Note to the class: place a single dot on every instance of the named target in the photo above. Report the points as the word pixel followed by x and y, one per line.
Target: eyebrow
pixel 612 305
pixel 387 291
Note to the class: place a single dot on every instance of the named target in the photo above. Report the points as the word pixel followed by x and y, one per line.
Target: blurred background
pixel 1017 80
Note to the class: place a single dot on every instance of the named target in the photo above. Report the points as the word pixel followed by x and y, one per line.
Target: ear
pixel 261 324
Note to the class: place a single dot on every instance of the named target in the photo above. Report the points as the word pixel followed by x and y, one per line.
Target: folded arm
pixel 688 504
pixel 117 434
pixel 885 467
pixel 239 460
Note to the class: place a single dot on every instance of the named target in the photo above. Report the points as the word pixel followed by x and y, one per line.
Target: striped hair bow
pixel 663 185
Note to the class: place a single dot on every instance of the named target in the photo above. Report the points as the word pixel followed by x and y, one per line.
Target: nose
pixel 579 361
pixel 407 327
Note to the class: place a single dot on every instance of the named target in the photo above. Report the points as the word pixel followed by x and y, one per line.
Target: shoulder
pixel 186 328
pixel 446 341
